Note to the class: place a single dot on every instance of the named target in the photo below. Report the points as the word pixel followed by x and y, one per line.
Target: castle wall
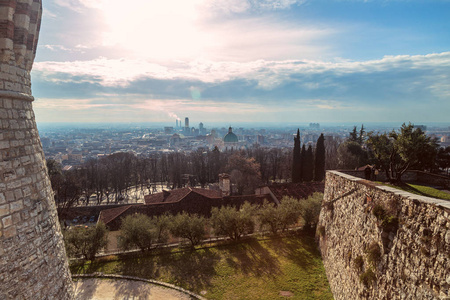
pixel 411 232
pixel 33 262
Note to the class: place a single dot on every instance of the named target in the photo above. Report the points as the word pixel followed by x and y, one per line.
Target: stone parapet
pixel 378 242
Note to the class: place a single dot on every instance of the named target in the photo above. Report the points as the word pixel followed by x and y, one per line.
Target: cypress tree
pixel 309 165
pixel 296 163
pixel 303 163
pixel 319 159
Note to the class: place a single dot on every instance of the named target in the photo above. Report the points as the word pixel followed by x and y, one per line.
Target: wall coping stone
pixel 429 200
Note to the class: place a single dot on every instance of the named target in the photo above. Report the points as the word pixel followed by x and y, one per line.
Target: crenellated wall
pixel 378 242
pixel 33 262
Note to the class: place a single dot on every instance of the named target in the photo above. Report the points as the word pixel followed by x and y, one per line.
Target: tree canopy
pixel 402 150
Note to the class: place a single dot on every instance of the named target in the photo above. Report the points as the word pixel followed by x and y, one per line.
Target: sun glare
pixel 155 29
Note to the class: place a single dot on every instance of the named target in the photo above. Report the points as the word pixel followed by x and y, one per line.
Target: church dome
pixel 230 137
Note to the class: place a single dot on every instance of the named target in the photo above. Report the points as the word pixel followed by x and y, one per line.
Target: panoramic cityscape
pixel 227 149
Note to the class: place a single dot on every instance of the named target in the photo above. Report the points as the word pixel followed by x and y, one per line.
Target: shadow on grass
pixel 192 269
pixel 299 247
pixel 252 259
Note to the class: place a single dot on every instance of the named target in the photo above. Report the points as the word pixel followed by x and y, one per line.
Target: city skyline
pixel 308 61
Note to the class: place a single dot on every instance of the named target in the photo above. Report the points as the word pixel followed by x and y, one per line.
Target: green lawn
pixel 422 190
pixel 254 269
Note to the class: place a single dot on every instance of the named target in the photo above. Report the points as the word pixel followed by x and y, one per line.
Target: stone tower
pixel 33 262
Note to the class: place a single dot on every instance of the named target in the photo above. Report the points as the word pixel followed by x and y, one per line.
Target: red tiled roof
pixel 179 194
pixel 208 193
pixel 110 214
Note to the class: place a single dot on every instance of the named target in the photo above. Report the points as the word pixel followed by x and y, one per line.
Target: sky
pixel 243 61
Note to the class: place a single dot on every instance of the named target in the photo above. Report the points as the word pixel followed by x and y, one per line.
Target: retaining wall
pixel 411 233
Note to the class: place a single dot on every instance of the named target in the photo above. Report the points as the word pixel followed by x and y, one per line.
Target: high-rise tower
pixel 33 262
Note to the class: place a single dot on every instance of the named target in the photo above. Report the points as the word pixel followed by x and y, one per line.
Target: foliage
pixel 368 277
pixel 403 150
pixel 355 137
pixel 310 209
pixel 443 159
pixel 86 241
pixel 65 187
pixel 143 232
pixel 289 212
pixel 308 163
pixel 358 263
pixel 191 227
pixel 373 253
pixel 319 159
pixel 351 155
pixel 422 190
pixel 296 161
pixel 268 216
pixel 232 222
pixel 279 217
pixel 245 173
pixel 291 263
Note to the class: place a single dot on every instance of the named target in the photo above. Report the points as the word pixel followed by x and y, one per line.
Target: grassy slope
pixel 254 269
pixel 422 190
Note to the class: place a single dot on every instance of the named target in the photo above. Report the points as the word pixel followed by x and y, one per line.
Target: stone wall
pixel 33 263
pixel 378 242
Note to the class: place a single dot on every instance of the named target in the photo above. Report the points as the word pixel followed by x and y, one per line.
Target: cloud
pixel 274 90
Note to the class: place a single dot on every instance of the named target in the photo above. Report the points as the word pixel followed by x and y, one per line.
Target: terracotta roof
pixel 109 215
pixel 296 190
pixel 208 193
pixel 179 194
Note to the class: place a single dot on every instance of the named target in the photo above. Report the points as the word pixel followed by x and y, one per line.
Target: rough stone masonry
pixel 378 242
pixel 33 262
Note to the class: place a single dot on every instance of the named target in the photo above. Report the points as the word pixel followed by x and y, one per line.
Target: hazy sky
pixel 238 60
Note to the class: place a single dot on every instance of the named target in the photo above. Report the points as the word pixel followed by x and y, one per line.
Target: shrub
pixel 358 263
pixel 373 253
pixel 231 222
pixel 191 227
pixel 390 223
pixel 310 209
pixel 367 278
pixel 379 212
pixel 141 231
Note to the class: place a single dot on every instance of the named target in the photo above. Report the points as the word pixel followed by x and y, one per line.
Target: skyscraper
pixel 186 122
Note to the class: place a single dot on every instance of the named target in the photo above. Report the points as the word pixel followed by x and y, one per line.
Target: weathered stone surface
pixel 414 258
pixel 33 263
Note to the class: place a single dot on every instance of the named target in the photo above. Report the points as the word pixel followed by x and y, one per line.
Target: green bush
pixel 191 227
pixel 231 222
pixel 373 253
pixel 310 209
pixel 86 241
pixel 367 278
pixel 141 231
pixel 358 263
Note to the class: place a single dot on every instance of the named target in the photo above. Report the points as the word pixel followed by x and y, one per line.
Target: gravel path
pixel 106 289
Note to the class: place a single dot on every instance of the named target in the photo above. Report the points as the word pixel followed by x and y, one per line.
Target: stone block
pixel 7 221
pixel 10 232
pixel 4 210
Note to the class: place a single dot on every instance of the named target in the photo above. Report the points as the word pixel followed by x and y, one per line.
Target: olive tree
pixel 86 241
pixel 232 222
pixel 191 227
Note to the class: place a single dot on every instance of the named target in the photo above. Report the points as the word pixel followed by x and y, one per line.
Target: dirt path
pixel 106 289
